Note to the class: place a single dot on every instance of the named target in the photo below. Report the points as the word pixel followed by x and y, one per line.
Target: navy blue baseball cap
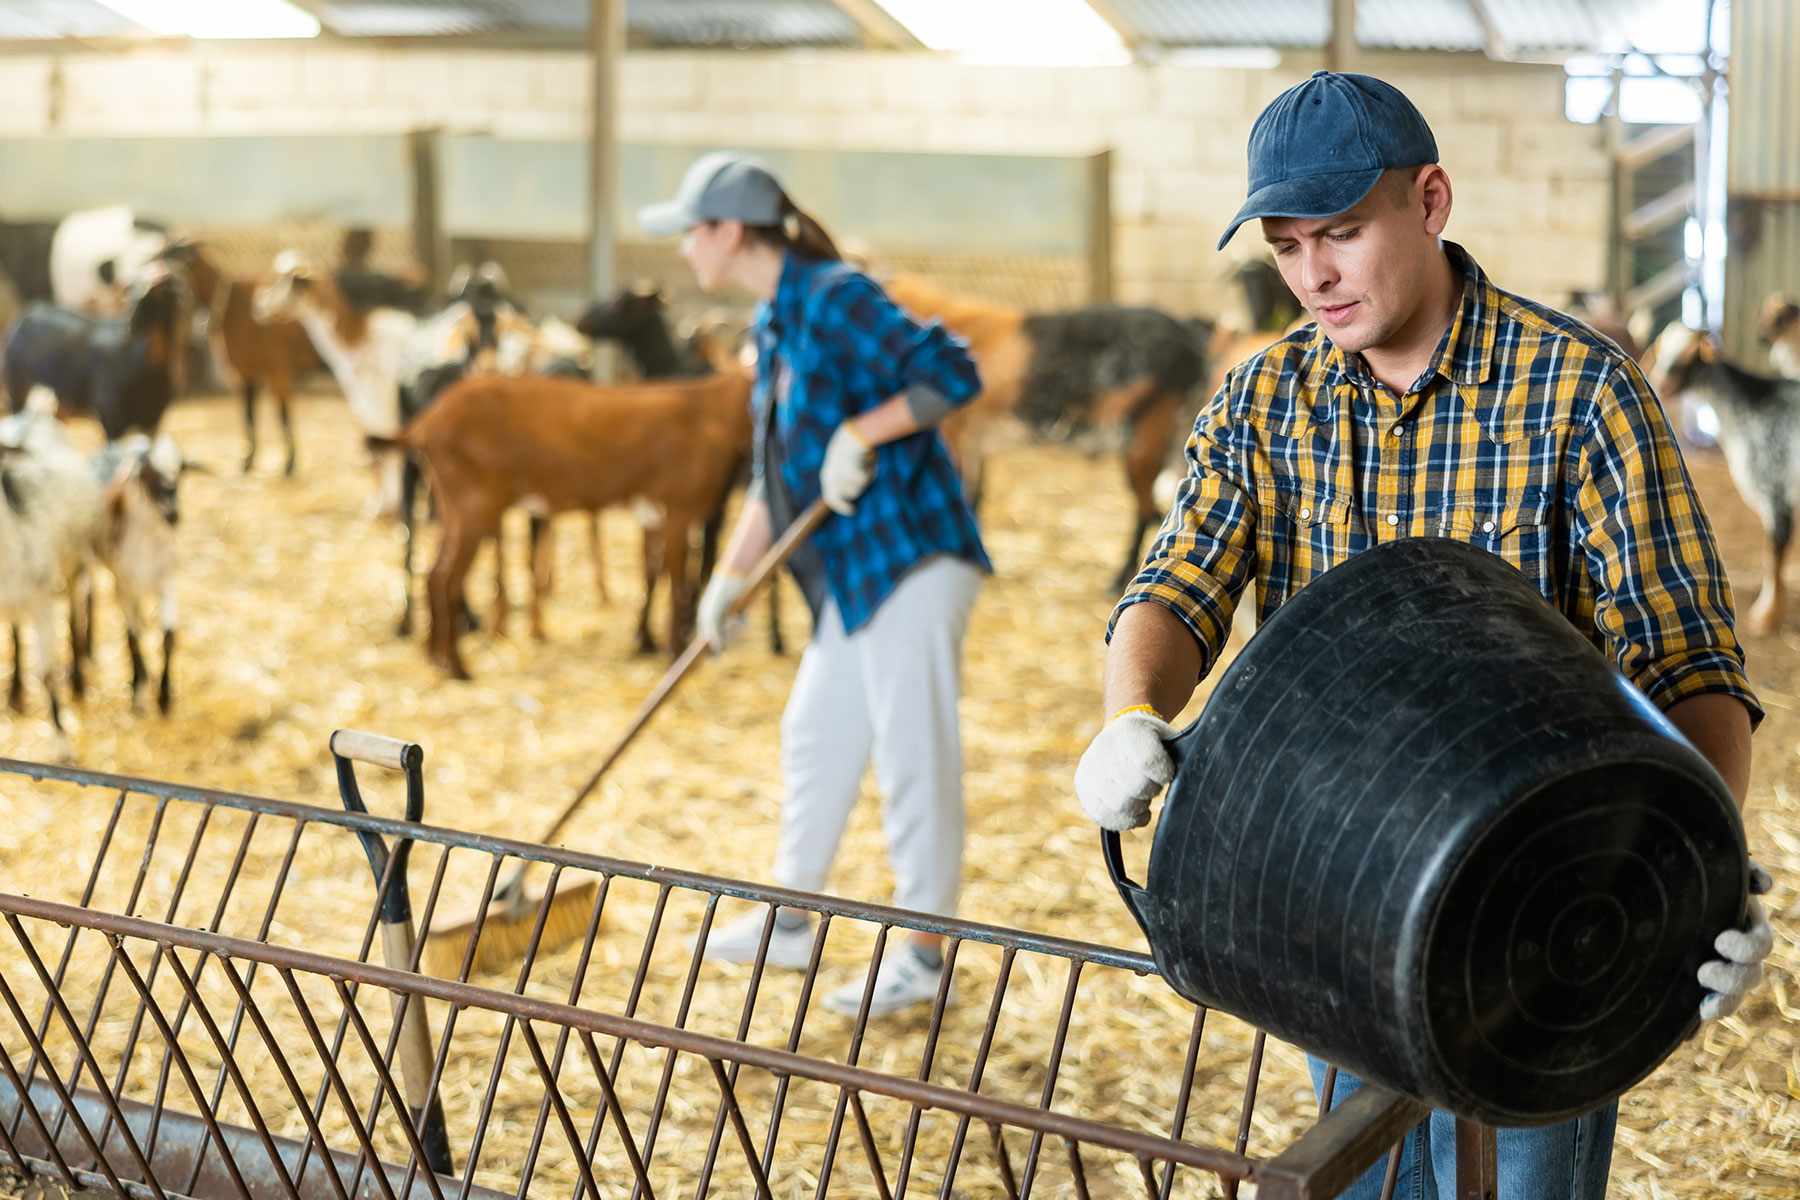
pixel 1321 145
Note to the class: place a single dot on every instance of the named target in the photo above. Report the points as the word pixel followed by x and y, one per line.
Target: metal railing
pixel 194 1011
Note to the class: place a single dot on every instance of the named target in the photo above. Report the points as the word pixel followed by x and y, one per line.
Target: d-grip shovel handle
pixel 1135 897
pixel 380 751
pixel 397 944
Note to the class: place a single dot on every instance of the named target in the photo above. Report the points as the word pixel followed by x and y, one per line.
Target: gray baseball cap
pixel 724 186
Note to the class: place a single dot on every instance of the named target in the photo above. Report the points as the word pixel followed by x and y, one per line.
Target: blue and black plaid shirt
pixel 841 347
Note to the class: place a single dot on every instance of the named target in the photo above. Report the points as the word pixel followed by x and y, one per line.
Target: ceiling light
pixel 218 18
pixel 1041 32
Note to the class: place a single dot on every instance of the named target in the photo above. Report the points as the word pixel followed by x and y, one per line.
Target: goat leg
pixel 776 644
pixel 78 635
pixel 287 426
pixel 139 673
pixel 1765 615
pixel 249 425
pixel 599 569
pixel 543 550
pixel 164 700
pixel 653 566
pixel 681 601
pixel 15 692
pixel 43 619
pixel 409 492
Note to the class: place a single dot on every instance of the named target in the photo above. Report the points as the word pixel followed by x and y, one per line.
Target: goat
pixel 119 371
pixel 50 515
pixel 1064 372
pixel 1779 325
pixel 554 445
pixel 250 352
pixel 137 544
pixel 1759 431
pixel 637 318
pixel 369 353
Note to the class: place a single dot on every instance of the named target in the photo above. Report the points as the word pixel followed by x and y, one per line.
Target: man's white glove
pixel 721 593
pixel 849 465
pixel 1124 767
pixel 1739 967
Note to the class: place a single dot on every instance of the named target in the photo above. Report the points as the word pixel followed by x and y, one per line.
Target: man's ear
pixel 1432 188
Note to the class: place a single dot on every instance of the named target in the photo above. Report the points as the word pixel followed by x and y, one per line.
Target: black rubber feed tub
pixel 1425 830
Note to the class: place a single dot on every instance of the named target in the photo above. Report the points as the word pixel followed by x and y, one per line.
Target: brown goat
pixel 667 449
pixel 255 353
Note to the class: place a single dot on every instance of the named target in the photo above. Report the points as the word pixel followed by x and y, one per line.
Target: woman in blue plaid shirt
pixel 848 392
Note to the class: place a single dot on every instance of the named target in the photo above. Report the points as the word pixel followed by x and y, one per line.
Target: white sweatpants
pixel 886 693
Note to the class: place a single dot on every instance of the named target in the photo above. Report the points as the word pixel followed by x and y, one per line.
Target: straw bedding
pixel 289 601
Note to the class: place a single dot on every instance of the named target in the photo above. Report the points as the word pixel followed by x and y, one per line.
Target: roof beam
pixel 1133 38
pixel 1497 47
pixel 879 26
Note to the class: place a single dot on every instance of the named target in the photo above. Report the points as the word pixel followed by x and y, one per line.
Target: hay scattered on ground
pixel 289 600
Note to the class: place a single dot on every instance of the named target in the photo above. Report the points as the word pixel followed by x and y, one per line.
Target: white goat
pixel 50 515
pixel 137 544
pixel 370 354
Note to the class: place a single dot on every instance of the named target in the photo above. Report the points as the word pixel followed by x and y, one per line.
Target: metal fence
pixel 193 1009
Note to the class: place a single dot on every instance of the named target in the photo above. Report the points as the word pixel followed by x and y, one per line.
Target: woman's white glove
pixel 849 465
pixel 1124 767
pixel 1739 967
pixel 721 593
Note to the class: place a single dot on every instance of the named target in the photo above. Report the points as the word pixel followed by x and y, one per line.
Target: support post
pixel 606 53
pixel 1343 35
pixel 1347 1140
pixel 1476 1154
pixel 1100 229
pixel 431 245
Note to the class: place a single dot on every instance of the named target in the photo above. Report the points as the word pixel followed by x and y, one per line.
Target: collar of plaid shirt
pixel 1529 435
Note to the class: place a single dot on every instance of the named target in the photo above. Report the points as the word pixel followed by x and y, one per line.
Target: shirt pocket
pixel 1516 528
pixel 1318 527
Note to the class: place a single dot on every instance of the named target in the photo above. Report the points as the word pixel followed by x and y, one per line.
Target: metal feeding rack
pixel 192 1009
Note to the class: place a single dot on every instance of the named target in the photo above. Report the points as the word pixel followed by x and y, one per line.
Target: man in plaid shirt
pixel 1425 401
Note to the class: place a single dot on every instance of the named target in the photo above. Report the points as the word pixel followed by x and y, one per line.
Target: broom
pixel 504 927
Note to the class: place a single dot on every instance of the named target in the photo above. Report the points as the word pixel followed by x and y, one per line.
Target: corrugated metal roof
pixel 1533 26
pixel 31 19
pixel 741 23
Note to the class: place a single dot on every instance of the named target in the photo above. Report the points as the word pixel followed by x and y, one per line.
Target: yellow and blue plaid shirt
pixel 1528 435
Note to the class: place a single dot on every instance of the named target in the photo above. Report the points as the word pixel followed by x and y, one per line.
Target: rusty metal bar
pixel 1252 1078
pixel 1190 1062
pixel 980 1067
pixel 1345 1143
pixel 728 1094
pixel 875 914
pixel 1053 1068
pixel 287 960
pixel 1476 1165
pixel 925 1060
pixel 84 1055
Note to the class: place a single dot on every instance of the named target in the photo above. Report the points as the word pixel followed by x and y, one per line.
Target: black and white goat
pixel 1759 431
pixel 50 519
pixel 122 372
pixel 137 545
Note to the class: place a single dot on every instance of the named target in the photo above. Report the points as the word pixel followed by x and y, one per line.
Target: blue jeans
pixel 1569 1161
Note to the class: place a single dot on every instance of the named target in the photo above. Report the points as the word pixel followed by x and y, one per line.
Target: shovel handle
pixel 378 750
pixel 802 528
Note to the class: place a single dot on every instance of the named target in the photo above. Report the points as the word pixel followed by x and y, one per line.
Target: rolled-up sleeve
pixel 871 335
pixel 1662 601
pixel 1204 554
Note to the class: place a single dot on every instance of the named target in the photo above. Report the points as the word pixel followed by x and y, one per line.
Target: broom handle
pixel 802 528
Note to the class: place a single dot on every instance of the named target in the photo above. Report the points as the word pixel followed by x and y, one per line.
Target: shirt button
pixel 1305 513
pixel 1392 519
pixel 1487 527
pixel 1397 431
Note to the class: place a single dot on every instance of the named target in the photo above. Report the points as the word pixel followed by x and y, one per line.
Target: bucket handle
pixel 1136 899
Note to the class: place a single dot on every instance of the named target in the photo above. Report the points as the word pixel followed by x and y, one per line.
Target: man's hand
pixel 849 465
pixel 721 593
pixel 1739 967
pixel 1124 767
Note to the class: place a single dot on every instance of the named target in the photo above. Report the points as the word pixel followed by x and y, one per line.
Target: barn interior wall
pixel 1531 187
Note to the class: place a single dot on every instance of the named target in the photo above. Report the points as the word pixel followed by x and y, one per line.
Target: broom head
pixel 506 932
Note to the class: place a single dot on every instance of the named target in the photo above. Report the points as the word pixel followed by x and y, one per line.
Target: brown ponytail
pixel 798 233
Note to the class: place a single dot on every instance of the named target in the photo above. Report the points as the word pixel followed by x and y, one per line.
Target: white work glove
pixel 849 465
pixel 722 591
pixel 1124 767
pixel 1739 967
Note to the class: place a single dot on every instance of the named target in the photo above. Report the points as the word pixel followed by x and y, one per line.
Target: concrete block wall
pixel 1531 187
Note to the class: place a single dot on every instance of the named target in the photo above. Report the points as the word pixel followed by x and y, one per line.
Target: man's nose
pixel 1318 273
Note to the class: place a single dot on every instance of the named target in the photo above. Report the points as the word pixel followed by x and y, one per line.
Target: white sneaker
pixel 905 979
pixel 737 942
